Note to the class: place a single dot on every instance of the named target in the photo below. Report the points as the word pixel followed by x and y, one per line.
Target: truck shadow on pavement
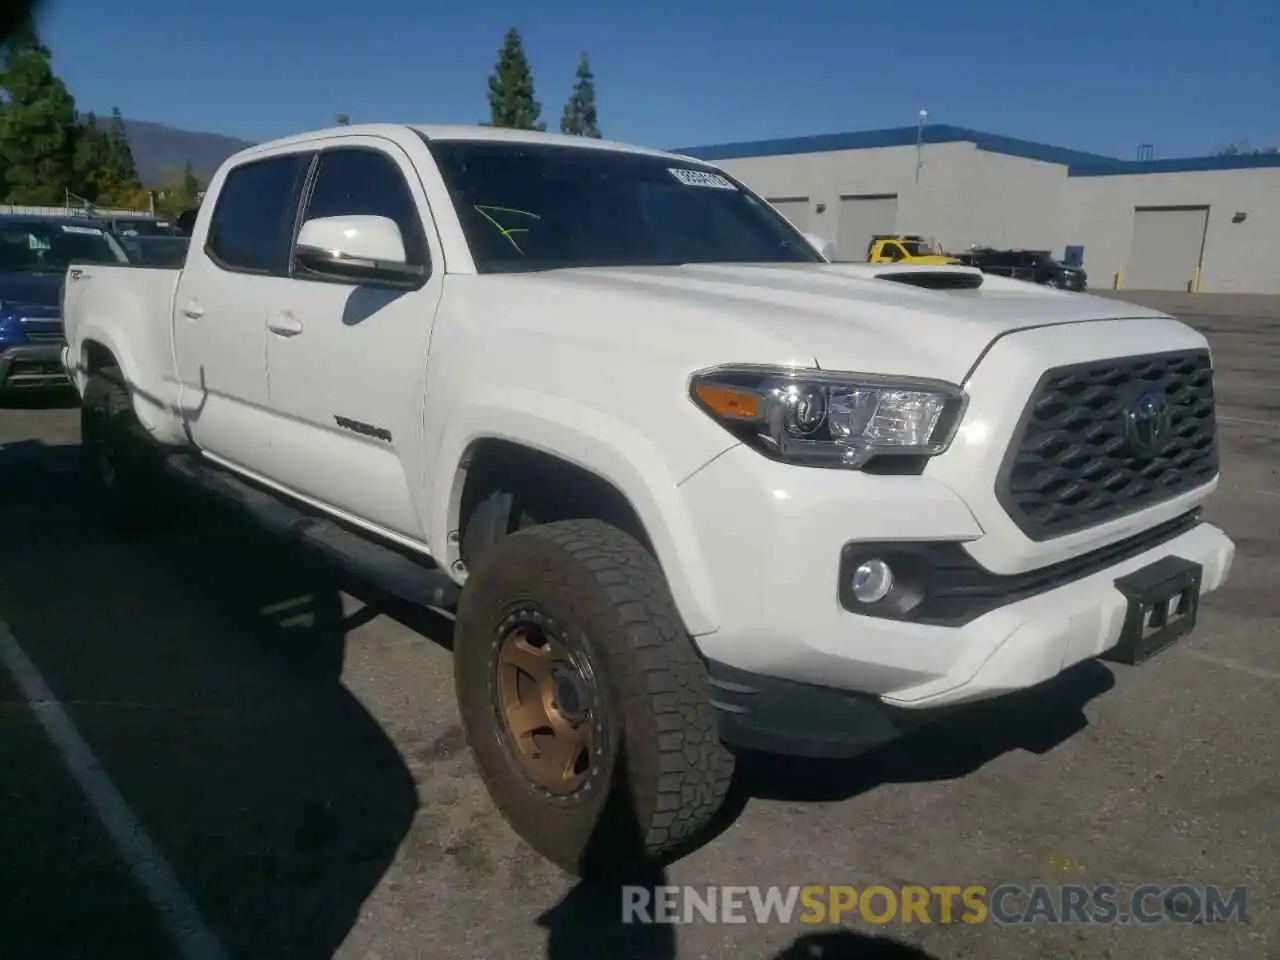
pixel 588 922
pixel 55 399
pixel 202 664
pixel 203 668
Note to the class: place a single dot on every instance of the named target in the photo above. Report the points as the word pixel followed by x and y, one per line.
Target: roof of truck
pixel 458 132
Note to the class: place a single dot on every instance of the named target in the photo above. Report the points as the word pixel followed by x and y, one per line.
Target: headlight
pixel 828 419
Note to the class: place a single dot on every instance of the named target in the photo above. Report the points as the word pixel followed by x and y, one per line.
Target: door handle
pixel 192 310
pixel 284 324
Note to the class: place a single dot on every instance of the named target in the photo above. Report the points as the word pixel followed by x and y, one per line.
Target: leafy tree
pixel 511 102
pixel 90 159
pixel 37 136
pixel 580 112
pixel 190 185
pixel 16 17
pixel 178 191
pixel 102 165
pixel 342 120
pixel 121 153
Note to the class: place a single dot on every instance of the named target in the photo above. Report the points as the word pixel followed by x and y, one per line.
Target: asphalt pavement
pixel 220 751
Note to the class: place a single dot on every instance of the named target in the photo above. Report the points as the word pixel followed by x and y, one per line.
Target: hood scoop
pixel 935 279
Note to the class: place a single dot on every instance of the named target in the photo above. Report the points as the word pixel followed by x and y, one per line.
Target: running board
pixel 389 569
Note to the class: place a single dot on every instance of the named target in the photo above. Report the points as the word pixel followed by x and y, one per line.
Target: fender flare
pixel 601 444
pixel 155 413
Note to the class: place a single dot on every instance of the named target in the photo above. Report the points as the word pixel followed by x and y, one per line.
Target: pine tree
pixel 121 152
pixel 190 185
pixel 580 112
pixel 90 160
pixel 37 137
pixel 511 102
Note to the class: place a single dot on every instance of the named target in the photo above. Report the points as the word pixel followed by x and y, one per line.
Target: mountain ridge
pixel 161 153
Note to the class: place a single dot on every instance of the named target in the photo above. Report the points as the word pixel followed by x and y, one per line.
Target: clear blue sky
pixel 1091 75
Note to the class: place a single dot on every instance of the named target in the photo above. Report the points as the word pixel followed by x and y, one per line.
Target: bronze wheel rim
pixel 545 697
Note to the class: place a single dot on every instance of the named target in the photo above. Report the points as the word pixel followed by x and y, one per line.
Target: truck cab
pixel 907 249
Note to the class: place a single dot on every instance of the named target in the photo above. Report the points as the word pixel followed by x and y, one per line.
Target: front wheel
pixel 584 700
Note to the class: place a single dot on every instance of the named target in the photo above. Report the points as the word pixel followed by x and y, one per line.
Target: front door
pixel 219 332
pixel 347 361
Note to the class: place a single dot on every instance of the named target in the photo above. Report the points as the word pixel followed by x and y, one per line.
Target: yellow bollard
pixel 1118 280
pixel 1195 279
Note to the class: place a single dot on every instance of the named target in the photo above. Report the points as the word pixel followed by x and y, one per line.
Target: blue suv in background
pixel 34 255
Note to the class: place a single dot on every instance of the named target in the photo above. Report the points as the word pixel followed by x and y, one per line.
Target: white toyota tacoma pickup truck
pixel 687 485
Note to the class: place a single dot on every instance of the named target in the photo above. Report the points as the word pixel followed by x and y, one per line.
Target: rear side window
pixel 252 224
pixel 368 182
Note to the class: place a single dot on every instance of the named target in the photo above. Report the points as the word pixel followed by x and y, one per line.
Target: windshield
pixel 922 248
pixel 539 207
pixel 47 246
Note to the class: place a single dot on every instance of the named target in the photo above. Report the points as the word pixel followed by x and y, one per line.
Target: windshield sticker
pixel 88 231
pixel 700 178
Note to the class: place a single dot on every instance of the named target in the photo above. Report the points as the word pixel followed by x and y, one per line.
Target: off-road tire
pixel 133 492
pixel 662 772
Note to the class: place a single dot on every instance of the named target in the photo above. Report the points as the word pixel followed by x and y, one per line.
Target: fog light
pixel 872 581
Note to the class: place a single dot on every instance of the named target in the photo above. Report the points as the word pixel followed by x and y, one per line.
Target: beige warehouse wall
pixel 970 197
pixel 936 207
pixel 1238 258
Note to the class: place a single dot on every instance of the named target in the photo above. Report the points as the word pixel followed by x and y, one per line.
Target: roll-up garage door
pixel 1168 243
pixel 861 218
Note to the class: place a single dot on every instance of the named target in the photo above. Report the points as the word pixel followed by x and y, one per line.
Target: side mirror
pixel 824 247
pixel 356 249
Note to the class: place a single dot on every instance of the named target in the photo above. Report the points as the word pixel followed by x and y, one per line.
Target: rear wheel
pixel 584 700
pixel 122 461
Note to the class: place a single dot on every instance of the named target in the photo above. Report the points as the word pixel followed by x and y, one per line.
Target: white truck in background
pixel 687 485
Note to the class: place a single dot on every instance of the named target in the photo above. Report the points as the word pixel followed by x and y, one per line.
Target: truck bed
pixel 128 309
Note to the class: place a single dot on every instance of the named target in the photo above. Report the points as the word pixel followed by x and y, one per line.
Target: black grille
pixel 1071 464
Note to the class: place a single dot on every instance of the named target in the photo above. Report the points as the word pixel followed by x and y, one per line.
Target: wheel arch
pixel 562 487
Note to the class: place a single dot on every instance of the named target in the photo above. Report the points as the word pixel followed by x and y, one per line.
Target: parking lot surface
pixel 284 775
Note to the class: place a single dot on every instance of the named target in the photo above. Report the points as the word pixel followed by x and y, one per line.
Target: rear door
pixel 223 295
pixel 348 366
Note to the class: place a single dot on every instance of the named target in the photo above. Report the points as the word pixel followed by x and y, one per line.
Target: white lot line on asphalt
pixel 1252 423
pixel 1255 490
pixel 193 937
pixel 1231 663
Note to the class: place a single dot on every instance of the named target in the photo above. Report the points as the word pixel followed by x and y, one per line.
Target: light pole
pixel 924 115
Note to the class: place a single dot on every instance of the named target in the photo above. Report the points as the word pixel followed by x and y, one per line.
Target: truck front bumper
pixel 32 366
pixel 795 671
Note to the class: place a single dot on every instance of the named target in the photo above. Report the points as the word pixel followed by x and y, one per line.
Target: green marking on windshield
pixel 506 232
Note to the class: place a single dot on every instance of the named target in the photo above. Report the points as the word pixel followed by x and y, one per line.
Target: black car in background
pixel 1036 266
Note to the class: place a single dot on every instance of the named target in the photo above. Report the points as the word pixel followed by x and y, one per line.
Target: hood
pixel 35 289
pixel 837 316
